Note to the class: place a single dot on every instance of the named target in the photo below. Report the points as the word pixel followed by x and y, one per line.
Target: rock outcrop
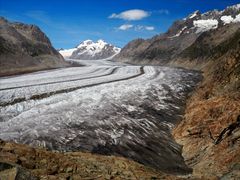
pixel 25 48
pixel 24 162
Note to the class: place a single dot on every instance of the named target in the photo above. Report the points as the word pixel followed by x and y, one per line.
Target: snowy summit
pixel 89 50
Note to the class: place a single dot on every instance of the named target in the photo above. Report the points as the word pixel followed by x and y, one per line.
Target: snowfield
pixel 205 25
pixel 102 107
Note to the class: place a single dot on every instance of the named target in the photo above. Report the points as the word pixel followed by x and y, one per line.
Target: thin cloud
pixel 138 28
pixel 162 11
pixel 149 28
pixel 130 15
pixel 141 28
pixel 125 27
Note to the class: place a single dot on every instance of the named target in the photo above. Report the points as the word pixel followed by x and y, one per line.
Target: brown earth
pixel 213 107
pixel 18 160
pixel 206 158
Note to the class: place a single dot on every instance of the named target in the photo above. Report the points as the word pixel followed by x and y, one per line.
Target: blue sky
pixel 67 23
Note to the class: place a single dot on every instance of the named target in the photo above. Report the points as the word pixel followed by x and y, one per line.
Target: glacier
pixel 102 107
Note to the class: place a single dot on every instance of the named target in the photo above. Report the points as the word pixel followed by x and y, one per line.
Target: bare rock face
pixel 25 48
pixel 11 171
pixel 164 48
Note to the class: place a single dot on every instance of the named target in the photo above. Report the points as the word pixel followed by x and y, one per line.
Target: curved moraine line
pixel 91 74
pixel 51 93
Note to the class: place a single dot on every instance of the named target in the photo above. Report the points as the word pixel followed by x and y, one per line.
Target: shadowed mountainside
pixel 25 48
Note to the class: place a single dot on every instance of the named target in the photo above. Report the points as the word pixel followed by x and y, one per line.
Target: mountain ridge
pixel 25 48
pixel 164 48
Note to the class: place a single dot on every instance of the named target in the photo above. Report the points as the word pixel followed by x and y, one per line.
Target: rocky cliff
pixel 25 48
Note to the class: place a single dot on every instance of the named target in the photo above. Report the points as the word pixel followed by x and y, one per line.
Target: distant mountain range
pixel 25 48
pixel 179 40
pixel 89 50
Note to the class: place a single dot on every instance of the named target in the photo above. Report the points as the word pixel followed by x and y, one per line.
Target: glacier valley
pixel 102 107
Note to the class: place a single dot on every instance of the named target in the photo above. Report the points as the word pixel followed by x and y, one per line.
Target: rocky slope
pixel 25 48
pixel 213 107
pixel 23 162
pixel 163 48
pixel 89 50
pixel 210 43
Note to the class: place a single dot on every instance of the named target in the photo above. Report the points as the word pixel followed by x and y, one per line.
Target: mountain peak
pixel 22 45
pixel 88 42
pixel 90 50
pixel 84 43
pixel 236 7
pixel 198 23
pixel 194 14
pixel 101 41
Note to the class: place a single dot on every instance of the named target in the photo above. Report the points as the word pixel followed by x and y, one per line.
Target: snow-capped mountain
pixel 66 53
pixel 198 23
pixel 89 50
pixel 181 35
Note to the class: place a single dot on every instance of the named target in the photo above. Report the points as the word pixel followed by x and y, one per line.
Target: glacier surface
pixel 101 107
